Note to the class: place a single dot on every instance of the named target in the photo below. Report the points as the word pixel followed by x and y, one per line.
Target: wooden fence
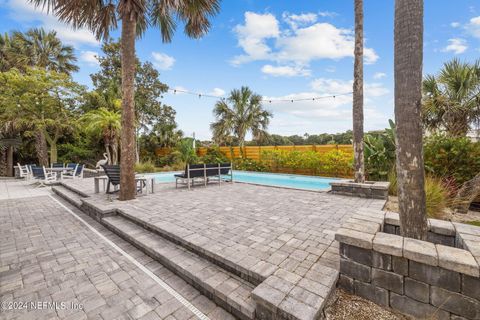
pixel 255 152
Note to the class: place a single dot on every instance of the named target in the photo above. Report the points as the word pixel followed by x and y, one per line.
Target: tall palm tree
pixel 451 100
pixel 107 124
pixel 136 16
pixel 359 160
pixel 408 95
pixel 5 52
pixel 244 114
pixel 39 48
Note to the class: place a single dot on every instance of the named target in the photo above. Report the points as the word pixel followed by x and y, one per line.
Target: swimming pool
pixel 268 179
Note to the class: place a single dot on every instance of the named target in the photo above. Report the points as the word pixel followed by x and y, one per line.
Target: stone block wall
pixel 369 189
pixel 435 279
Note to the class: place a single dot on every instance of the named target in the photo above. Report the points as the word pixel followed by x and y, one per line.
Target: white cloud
pixel 253 34
pixel 455 24
pixel 306 40
pixel 162 61
pixel 473 27
pixel 89 57
pixel 217 92
pixel 328 14
pixel 456 45
pixel 23 11
pixel 379 75
pixel 296 20
pixel 285 71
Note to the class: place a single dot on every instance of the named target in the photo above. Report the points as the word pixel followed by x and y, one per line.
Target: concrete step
pixel 242 269
pixel 224 288
pixel 68 195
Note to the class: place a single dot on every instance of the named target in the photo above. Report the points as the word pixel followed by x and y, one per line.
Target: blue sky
pixel 281 49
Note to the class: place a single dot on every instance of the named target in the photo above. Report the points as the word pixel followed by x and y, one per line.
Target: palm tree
pixel 451 100
pixel 38 48
pixel 358 95
pixel 136 15
pixel 408 94
pixel 245 114
pixel 107 124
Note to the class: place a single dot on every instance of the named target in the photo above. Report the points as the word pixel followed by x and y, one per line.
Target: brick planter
pixel 435 279
pixel 369 189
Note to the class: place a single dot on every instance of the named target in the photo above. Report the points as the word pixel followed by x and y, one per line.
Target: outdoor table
pixel 59 171
pixel 149 183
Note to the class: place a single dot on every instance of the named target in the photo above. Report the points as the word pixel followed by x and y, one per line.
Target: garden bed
pixel 438 278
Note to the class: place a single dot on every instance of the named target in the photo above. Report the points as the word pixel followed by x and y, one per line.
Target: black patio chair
pixel 192 172
pixel 58 165
pixel 113 173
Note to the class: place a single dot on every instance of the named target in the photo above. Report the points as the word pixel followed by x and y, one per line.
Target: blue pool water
pixel 268 179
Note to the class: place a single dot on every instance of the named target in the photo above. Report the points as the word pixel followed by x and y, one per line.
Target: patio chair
pixel 43 177
pixel 112 171
pixel 71 165
pixel 76 173
pixel 58 165
pixel 24 171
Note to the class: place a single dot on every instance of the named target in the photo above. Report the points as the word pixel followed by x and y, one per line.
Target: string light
pixel 200 95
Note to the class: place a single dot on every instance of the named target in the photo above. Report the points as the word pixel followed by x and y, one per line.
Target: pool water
pixel 268 179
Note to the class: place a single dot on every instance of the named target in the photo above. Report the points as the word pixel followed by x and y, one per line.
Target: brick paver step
pixel 68 195
pixel 221 286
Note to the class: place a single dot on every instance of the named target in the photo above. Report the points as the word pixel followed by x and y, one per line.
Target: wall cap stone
pixel 420 251
pixel 457 260
pixel 354 238
pixel 441 227
pixel 388 244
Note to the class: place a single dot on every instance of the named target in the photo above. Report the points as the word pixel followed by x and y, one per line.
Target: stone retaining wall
pixel 369 189
pixel 436 279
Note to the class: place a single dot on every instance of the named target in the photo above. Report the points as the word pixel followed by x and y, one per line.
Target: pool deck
pixel 253 250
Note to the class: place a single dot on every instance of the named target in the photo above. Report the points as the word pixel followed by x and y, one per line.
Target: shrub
pixel 249 165
pixel 449 157
pixel 336 163
pixel 214 155
pixel 436 194
pixel 144 167
pixel 436 197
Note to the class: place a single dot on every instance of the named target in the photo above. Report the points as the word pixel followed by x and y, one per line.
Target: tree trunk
pixel 41 148
pixel 53 152
pixel 10 171
pixel 408 94
pixel 127 161
pixel 109 156
pixel 358 95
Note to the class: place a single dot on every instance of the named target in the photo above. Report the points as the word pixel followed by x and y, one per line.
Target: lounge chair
pixel 43 177
pixel 113 173
pixel 24 171
pixel 202 171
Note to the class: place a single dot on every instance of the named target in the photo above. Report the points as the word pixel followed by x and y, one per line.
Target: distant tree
pixel 136 16
pixel 240 113
pixel 43 102
pixel 451 100
pixel 106 124
pixel 40 49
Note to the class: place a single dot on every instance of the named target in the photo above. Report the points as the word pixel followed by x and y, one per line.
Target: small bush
pixel 145 167
pixel 448 157
pixel 436 197
pixel 214 155
pixel 392 178
pixel 249 165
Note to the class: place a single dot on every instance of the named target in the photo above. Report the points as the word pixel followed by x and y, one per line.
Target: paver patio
pixel 47 255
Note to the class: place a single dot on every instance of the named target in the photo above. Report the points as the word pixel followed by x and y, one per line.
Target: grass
pixel 473 223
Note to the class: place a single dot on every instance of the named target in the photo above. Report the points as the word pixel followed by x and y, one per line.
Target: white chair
pixel 76 173
pixel 24 171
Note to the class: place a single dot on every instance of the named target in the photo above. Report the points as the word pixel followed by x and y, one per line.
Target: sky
pixel 281 49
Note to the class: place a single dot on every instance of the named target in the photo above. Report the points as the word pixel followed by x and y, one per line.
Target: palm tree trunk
pixel 127 161
pixel 41 148
pixel 358 95
pixel 408 83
